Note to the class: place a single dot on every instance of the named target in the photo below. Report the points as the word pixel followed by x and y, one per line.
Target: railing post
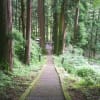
pixel 62 61
pixel 39 57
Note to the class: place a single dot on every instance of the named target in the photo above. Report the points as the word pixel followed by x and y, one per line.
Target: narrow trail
pixel 48 86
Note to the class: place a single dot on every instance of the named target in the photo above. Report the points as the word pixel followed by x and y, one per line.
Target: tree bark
pixel 55 27
pixel 76 22
pixel 6 51
pixel 91 37
pixel 16 14
pixel 62 27
pixel 41 19
pixel 28 31
pixel 23 17
pixel 19 24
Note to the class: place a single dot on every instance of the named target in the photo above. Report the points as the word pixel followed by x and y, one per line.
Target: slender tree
pixel 96 36
pixel 23 17
pixel 76 22
pixel 16 14
pixel 62 27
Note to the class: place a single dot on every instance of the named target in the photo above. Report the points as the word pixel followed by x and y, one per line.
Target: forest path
pixel 48 86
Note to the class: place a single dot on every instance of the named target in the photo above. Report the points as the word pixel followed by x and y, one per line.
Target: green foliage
pixel 19 47
pixel 77 65
pixel 19 67
pixel 4 65
pixel 89 76
pixel 18 36
pixel 83 35
pixel 69 68
pixel 21 70
pixel 88 25
pixel 17 63
pixel 5 80
pixel 78 51
pixel 24 70
pixel 35 52
pixel 68 38
pixel 19 44
pixel 85 72
pixel 96 3
pixel 73 60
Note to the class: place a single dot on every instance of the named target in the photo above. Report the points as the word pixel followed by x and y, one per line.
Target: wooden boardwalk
pixel 48 86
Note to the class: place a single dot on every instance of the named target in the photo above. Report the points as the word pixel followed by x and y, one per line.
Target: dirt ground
pixel 85 93
pixel 16 89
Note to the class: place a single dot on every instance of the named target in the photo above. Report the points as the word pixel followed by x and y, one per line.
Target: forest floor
pixel 13 85
pixel 75 91
pixel 82 93
pixel 18 85
pixel 85 93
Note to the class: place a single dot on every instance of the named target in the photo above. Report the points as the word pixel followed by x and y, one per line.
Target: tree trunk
pixel 95 43
pixel 23 17
pixel 28 31
pixel 91 37
pixel 76 22
pixel 16 14
pixel 19 28
pixel 6 52
pixel 96 37
pixel 62 27
pixel 47 27
pixel 55 27
pixel 41 19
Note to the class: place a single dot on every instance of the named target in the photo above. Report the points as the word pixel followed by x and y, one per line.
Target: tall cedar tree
pixel 55 26
pixel 59 28
pixel 62 27
pixel 23 17
pixel 41 19
pixel 28 31
pixel 6 52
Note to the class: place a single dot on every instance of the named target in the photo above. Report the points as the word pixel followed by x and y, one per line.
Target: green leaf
pixel 96 3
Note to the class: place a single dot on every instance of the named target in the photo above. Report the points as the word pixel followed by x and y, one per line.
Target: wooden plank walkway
pixel 48 86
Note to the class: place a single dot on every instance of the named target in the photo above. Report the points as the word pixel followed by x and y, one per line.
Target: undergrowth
pixel 20 70
pixel 76 64
pixel 81 79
